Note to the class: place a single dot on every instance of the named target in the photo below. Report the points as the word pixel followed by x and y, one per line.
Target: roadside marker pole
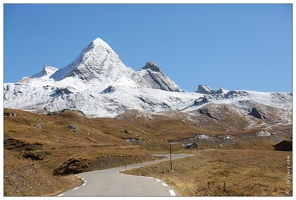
pixel 171 161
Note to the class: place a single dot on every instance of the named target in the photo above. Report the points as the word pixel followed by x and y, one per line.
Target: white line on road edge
pixel 76 188
pixel 60 195
pixel 158 180
pixel 164 184
pixel 172 193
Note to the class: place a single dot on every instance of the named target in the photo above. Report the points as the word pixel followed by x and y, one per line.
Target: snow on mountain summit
pixel 96 60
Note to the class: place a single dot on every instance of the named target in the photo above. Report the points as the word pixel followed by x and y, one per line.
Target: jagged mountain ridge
pixel 100 85
pixel 46 72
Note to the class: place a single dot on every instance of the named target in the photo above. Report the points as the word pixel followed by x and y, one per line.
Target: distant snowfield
pixel 100 85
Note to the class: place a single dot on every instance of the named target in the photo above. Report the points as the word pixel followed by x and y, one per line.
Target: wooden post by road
pixel 171 161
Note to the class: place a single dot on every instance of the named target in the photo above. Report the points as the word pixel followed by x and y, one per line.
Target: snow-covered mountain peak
pixel 96 61
pixel 97 46
pixel 100 42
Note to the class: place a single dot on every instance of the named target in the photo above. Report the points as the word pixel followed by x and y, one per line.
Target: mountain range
pixel 98 84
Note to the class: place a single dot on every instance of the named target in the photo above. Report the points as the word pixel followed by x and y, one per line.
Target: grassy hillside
pixel 42 152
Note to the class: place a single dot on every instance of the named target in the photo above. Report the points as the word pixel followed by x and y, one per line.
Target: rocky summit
pixel 157 79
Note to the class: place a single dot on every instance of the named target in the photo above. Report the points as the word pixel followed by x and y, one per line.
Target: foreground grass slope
pixel 243 172
pixel 41 153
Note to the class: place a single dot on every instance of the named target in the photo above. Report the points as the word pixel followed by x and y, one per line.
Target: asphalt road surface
pixel 112 183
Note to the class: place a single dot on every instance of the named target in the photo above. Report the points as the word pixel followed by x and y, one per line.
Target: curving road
pixel 112 183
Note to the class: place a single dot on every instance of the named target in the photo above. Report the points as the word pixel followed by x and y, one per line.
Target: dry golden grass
pixel 221 172
pixel 31 154
pixel 24 177
pixel 53 144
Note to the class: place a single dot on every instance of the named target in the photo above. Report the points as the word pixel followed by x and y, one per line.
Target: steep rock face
pixel 204 89
pixel 157 79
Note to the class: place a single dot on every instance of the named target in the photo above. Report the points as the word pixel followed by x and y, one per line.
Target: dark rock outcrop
pixel 109 89
pixel 71 166
pixel 9 114
pixel 17 145
pixel 207 112
pixel 257 113
pixel 39 155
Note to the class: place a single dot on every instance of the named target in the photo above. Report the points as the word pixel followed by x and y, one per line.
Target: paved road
pixel 111 183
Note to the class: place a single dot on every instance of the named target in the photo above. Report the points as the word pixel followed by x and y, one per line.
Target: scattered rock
pixel 37 125
pixel 125 131
pixel 262 133
pixel 73 129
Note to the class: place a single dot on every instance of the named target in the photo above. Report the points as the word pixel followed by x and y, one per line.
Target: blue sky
pixel 231 46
